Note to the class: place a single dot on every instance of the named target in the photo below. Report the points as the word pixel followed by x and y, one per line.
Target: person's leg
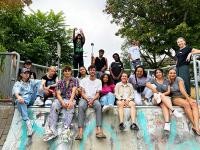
pixel 166 101
pixel 23 111
pixel 75 65
pixel 110 98
pixel 137 97
pixel 103 100
pixel 81 62
pixel 120 105
pixel 184 73
pixel 53 116
pixel 147 93
pixel 133 111
pixel 82 106
pixel 97 107
pixel 187 108
pixel 165 111
pixel 195 112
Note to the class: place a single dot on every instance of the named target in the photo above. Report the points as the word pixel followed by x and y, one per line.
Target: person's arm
pixel 16 92
pixel 182 89
pixel 105 66
pixel 117 94
pixel 54 85
pixel 83 36
pixel 130 98
pixel 74 34
pixel 129 56
pixel 167 92
pixel 120 73
pixel 60 99
pixel 111 73
pixel 93 60
pixel 195 51
pixel 83 94
pixel 43 84
pixel 151 87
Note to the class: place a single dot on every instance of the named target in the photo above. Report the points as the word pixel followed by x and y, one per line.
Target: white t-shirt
pixel 91 87
pixel 134 51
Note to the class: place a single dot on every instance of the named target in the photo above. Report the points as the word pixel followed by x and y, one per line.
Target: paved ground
pixel 6 115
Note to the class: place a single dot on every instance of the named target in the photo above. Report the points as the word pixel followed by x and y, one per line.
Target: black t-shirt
pixel 49 81
pixel 116 68
pixel 100 63
pixel 181 56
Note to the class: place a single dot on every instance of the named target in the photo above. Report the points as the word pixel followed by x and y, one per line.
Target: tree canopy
pixel 35 35
pixel 156 24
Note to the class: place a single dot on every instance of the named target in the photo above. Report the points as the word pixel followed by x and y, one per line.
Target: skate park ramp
pixel 151 135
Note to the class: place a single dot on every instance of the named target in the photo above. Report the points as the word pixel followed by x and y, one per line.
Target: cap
pixel 28 61
pixel 25 70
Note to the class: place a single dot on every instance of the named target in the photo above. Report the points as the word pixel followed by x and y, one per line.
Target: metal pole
pixel 195 77
pixel 92 54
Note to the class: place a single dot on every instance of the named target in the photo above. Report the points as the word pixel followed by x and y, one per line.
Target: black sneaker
pixel 134 127
pixel 121 126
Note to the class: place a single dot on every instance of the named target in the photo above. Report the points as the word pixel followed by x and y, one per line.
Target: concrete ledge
pixel 151 135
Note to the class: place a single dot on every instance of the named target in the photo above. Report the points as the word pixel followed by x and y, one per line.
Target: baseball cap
pixel 23 70
pixel 28 61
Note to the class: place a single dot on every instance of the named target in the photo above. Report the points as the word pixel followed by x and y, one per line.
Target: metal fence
pixel 9 66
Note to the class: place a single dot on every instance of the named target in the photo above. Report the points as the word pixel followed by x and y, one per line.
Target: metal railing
pixel 196 68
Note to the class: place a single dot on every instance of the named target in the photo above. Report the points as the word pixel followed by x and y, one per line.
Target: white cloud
pixel 88 15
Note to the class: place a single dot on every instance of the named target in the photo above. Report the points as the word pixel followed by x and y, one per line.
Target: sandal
pixel 195 131
pixel 79 137
pixel 100 135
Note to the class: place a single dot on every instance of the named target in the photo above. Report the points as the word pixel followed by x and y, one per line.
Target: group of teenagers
pixel 87 90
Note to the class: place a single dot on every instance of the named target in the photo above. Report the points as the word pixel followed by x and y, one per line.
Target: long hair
pixel 110 81
pixel 144 72
pixel 79 74
pixel 158 69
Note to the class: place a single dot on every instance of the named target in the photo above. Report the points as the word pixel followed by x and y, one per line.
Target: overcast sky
pixel 88 15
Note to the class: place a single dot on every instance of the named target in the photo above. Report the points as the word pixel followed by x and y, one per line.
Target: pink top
pixel 107 88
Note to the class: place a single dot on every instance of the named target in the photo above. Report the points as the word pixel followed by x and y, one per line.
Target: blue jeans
pixel 108 99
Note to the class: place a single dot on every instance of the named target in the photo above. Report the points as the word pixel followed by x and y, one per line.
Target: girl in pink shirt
pixel 107 93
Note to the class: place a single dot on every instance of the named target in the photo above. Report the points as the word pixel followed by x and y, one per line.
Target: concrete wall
pixel 151 135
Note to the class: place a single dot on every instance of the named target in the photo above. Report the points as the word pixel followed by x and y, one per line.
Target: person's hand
pixel 90 103
pixel 70 104
pixel 191 100
pixel 64 105
pixel 75 29
pixel 20 100
pixel 81 31
pixel 126 102
pixel 188 57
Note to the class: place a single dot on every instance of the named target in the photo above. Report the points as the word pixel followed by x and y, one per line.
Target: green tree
pixel 35 35
pixel 156 24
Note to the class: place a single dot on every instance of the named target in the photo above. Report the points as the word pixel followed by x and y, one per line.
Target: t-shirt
pixel 66 87
pixel 99 63
pixel 116 68
pixel 49 81
pixel 181 56
pixel 107 88
pixel 160 87
pixel 140 81
pixel 91 87
pixel 134 51
pixel 174 87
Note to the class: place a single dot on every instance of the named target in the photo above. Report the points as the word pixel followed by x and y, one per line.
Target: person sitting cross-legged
pixel 90 89
pixel 65 93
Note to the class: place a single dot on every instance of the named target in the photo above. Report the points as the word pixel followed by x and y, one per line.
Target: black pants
pixel 77 62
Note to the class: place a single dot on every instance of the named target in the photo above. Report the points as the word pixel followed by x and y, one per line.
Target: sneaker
pixel 38 102
pixel 134 127
pixel 49 135
pixel 29 128
pixel 167 127
pixel 66 135
pixel 177 114
pixel 48 102
pixel 121 126
pixel 105 108
pixel 146 103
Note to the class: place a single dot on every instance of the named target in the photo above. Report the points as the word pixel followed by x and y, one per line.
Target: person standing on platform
pixel 78 41
pixel 100 63
pixel 183 56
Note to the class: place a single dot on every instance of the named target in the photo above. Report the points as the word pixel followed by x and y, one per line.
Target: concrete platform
pixel 150 137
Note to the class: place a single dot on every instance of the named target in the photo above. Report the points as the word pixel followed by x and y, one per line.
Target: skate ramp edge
pixel 150 136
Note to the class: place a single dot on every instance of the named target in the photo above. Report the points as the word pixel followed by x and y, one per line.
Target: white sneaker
pixel 177 114
pixel 167 127
pixel 49 135
pixel 66 135
pixel 29 127
pixel 105 108
pixel 146 103
pixel 48 102
pixel 38 102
